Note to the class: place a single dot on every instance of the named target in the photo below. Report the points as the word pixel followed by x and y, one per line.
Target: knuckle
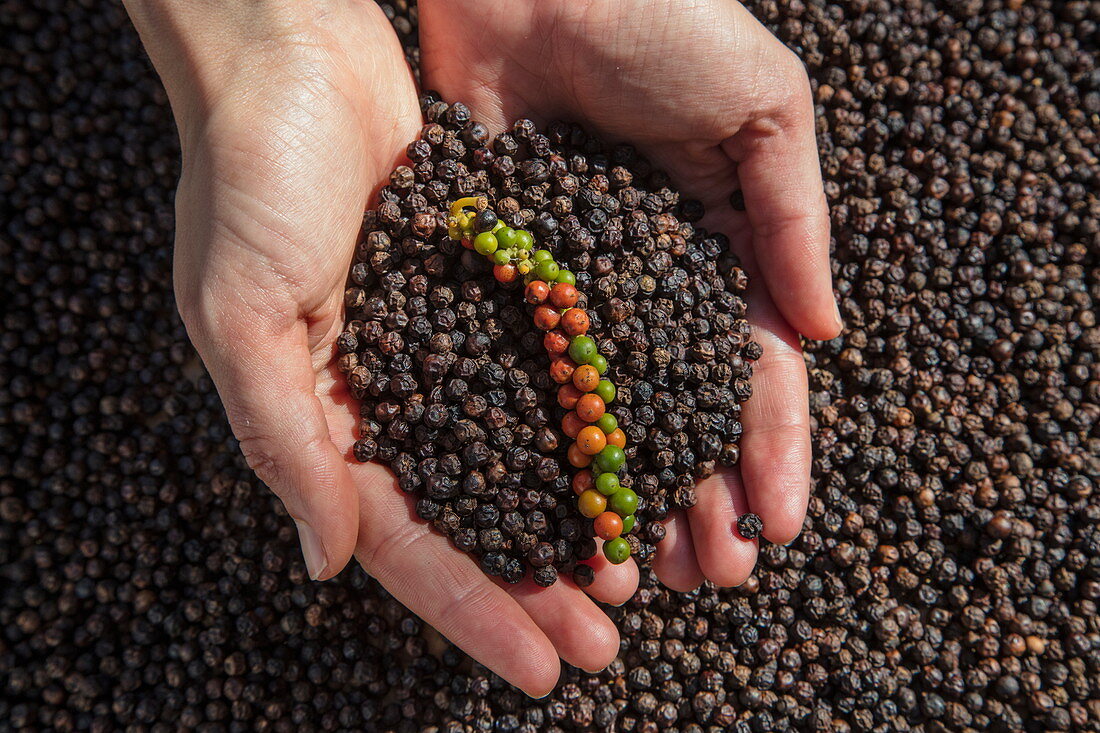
pixel 379 547
pixel 265 460
pixel 472 601
pixel 270 458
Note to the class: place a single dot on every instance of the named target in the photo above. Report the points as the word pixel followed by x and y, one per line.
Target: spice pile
pixel 459 391
pixel 949 572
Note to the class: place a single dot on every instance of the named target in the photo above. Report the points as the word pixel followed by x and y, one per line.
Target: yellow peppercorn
pixel 592 503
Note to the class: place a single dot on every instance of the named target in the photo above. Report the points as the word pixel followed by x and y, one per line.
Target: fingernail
pixel 836 315
pixel 312 551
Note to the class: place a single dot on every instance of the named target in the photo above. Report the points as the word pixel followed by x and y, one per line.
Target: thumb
pixel 265 377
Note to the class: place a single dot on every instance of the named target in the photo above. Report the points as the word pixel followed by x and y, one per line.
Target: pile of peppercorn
pixel 457 389
pixel 947 577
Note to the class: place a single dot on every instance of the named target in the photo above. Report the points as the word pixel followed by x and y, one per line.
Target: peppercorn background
pixel 948 572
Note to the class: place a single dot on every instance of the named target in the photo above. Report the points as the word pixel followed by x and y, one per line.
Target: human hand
pixel 290 118
pixel 721 109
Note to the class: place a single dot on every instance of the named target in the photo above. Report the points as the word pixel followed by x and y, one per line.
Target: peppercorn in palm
pixel 547 349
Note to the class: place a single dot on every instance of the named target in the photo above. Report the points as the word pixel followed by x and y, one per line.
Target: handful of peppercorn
pixel 517 439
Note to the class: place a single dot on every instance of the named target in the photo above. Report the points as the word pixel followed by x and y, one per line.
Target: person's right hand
pixel 708 94
pixel 291 115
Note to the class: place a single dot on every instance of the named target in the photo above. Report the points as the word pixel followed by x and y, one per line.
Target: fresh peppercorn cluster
pixel 577 366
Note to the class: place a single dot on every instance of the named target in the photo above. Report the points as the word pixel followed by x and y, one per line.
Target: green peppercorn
pixel 485 243
pixel 542 255
pixel 623 502
pixel 610 460
pixel 524 240
pixel 607 423
pixel 565 276
pixel 600 362
pixel 607 484
pixel 506 236
pixel 616 551
pixel 582 349
pixel 547 270
pixel 606 390
pixel 628 522
pixel 502 256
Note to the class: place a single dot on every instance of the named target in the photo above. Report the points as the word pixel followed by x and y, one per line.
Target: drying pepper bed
pixel 948 572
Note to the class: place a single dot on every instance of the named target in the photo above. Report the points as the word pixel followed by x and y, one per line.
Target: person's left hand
pixel 709 95
pixel 291 115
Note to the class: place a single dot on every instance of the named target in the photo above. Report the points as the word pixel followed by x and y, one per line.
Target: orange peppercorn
pixel 608 525
pixel 585 378
pixel 555 342
pixel 561 370
pixel 546 318
pixel 505 273
pixel 583 481
pixel 568 395
pixel 575 322
pixel 592 503
pixel 571 425
pixel 578 458
pixel 564 295
pixel 536 292
pixel 590 407
pixel 467 242
pixel 617 438
pixel 591 440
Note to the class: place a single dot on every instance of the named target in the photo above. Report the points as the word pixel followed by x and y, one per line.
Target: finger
pixel 780 176
pixel 266 381
pixel 446 588
pixel 724 556
pixel 675 565
pixel 775 446
pixel 581 633
pixel 614 584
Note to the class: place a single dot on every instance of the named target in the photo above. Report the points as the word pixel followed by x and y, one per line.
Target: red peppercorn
pixel 577 457
pixel 564 295
pixel 561 370
pixel 583 481
pixel 575 322
pixel 572 425
pixel 585 378
pixel 555 342
pixel 546 318
pixel 590 408
pixel 568 395
pixel 505 273
pixel 608 525
pixel 591 440
pixel 617 438
pixel 537 292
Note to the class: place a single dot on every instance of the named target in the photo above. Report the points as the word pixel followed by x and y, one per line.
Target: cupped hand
pixel 290 117
pixel 719 103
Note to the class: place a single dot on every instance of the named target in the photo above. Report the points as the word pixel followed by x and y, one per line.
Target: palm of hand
pixel 710 108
